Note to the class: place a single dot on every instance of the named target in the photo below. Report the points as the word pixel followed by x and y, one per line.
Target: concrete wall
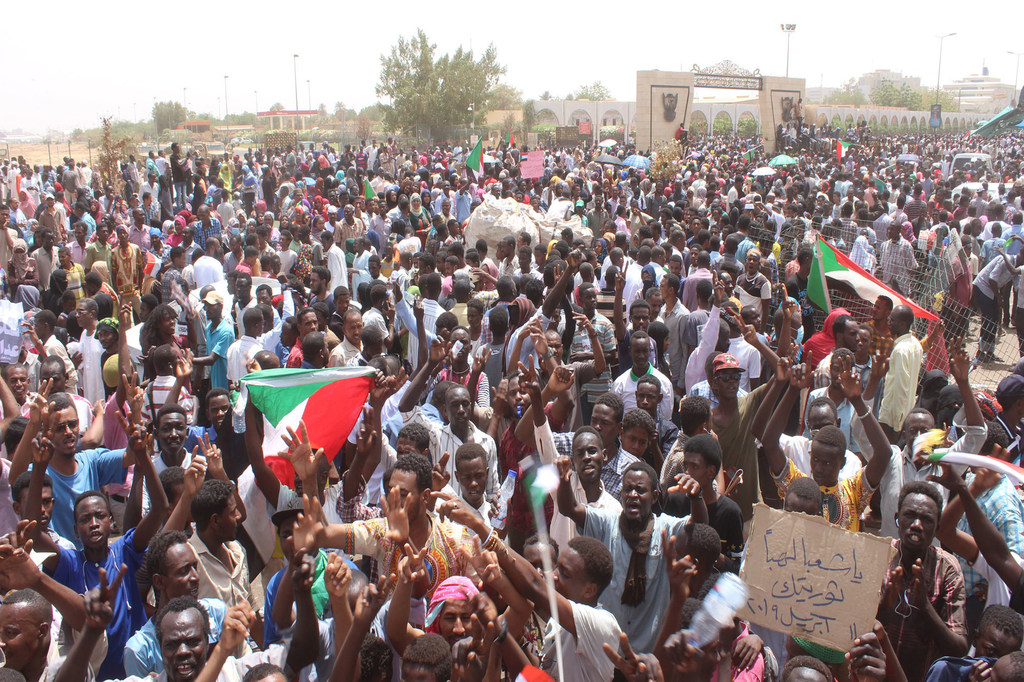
pixel 778 101
pixel 663 101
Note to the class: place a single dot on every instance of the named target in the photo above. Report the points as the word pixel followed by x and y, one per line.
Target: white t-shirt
pixel 798 450
pixel 583 658
pixel 749 359
pixel 998 591
pixel 206 271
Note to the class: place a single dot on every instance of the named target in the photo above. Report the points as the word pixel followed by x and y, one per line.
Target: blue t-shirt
pixel 96 468
pixel 217 342
pixel 76 572
pixel 142 652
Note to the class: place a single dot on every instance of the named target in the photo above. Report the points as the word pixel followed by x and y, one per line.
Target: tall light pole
pixel 225 96
pixel 184 99
pixel 256 117
pixel 295 73
pixel 938 76
pixel 309 95
pixel 1013 100
pixel 788 30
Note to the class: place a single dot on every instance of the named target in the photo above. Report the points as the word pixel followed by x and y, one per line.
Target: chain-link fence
pixel 928 287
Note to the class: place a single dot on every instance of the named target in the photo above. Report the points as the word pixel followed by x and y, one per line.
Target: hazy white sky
pixel 68 63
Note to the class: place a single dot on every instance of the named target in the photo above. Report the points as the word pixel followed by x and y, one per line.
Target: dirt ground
pixel 38 153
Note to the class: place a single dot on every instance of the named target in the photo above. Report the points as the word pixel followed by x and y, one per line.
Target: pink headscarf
pixel 456 588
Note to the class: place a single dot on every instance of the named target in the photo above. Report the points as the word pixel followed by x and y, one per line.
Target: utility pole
pixel 938 76
pixel 788 30
pixel 295 74
pixel 225 96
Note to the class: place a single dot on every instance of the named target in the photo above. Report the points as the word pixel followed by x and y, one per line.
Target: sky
pixel 91 70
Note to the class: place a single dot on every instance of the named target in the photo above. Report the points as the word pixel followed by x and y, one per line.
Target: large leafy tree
pixel 168 115
pixel 595 92
pixel 435 92
pixel 849 94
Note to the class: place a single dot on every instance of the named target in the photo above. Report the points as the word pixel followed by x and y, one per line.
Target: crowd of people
pixel 657 348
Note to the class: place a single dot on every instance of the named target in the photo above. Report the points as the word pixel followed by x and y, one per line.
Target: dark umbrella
pixel 608 158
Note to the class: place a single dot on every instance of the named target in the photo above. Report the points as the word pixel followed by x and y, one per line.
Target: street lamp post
pixel 256 117
pixel 788 30
pixel 225 96
pixel 938 76
pixel 309 95
pixel 184 99
pixel 1015 99
pixel 295 73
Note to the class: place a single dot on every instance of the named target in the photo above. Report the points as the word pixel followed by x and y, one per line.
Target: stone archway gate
pixel 664 99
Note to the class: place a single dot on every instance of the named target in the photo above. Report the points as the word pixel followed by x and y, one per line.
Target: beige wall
pixel 653 89
pixel 778 97
pixel 652 86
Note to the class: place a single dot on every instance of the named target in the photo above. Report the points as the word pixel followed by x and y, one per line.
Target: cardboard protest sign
pixel 532 165
pixel 811 579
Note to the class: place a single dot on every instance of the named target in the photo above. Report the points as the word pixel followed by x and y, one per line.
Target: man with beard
pixel 639 588
pixel 173 570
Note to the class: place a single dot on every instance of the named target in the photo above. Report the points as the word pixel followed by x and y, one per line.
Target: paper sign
pixel 812 580
pixel 532 165
pixel 11 315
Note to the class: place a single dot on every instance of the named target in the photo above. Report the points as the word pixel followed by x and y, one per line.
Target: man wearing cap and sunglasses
pixel 731 420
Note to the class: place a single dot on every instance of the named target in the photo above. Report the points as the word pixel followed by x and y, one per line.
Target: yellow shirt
pixel 841 504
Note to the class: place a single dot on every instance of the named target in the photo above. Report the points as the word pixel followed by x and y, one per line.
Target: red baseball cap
pixel 726 361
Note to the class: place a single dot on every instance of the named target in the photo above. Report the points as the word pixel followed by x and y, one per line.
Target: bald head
pixel 901 319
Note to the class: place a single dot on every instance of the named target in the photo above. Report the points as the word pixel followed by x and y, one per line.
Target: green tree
pixel 505 97
pixel 546 95
pixel 887 95
pixel 949 100
pixel 276 106
pixel 168 115
pixel 746 126
pixel 436 92
pixel 721 126
pixel 529 114
pixel 849 95
pixel 374 112
pixel 595 92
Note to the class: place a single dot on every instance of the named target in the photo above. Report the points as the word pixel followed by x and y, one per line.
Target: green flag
pixel 749 154
pixel 817 286
pixel 475 159
pixel 368 192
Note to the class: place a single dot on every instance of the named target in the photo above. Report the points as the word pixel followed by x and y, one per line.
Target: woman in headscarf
pixel 824 342
pixel 21 270
pixel 418 217
pixel 58 285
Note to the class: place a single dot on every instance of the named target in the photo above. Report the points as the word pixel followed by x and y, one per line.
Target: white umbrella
pixel 765 170
pixel 607 143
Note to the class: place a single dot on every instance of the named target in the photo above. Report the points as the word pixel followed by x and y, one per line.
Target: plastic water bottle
pixel 504 496
pixel 718 609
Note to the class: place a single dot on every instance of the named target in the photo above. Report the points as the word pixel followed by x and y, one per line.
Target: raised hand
pixel 564 465
pixel 99 601
pixel 480 360
pixel 438 351
pixel 867 657
pixel 212 455
pixel 308 524
pixel 849 380
pixel 195 474
pixel 411 566
pixel 454 509
pixel 139 439
pixel 337 577
pixel 303 570
pixel 237 622
pixel 745 651
pixel 439 476
pixel 396 511
pixel 630 665
pixel 687 485
pixel 679 570
pixel 583 322
pixel 562 379
pixel 959 360
pixel 783 371
pixel 371 599
pixel 300 453
pixel 183 367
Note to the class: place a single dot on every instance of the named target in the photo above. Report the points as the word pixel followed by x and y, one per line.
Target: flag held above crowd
pixel 831 263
